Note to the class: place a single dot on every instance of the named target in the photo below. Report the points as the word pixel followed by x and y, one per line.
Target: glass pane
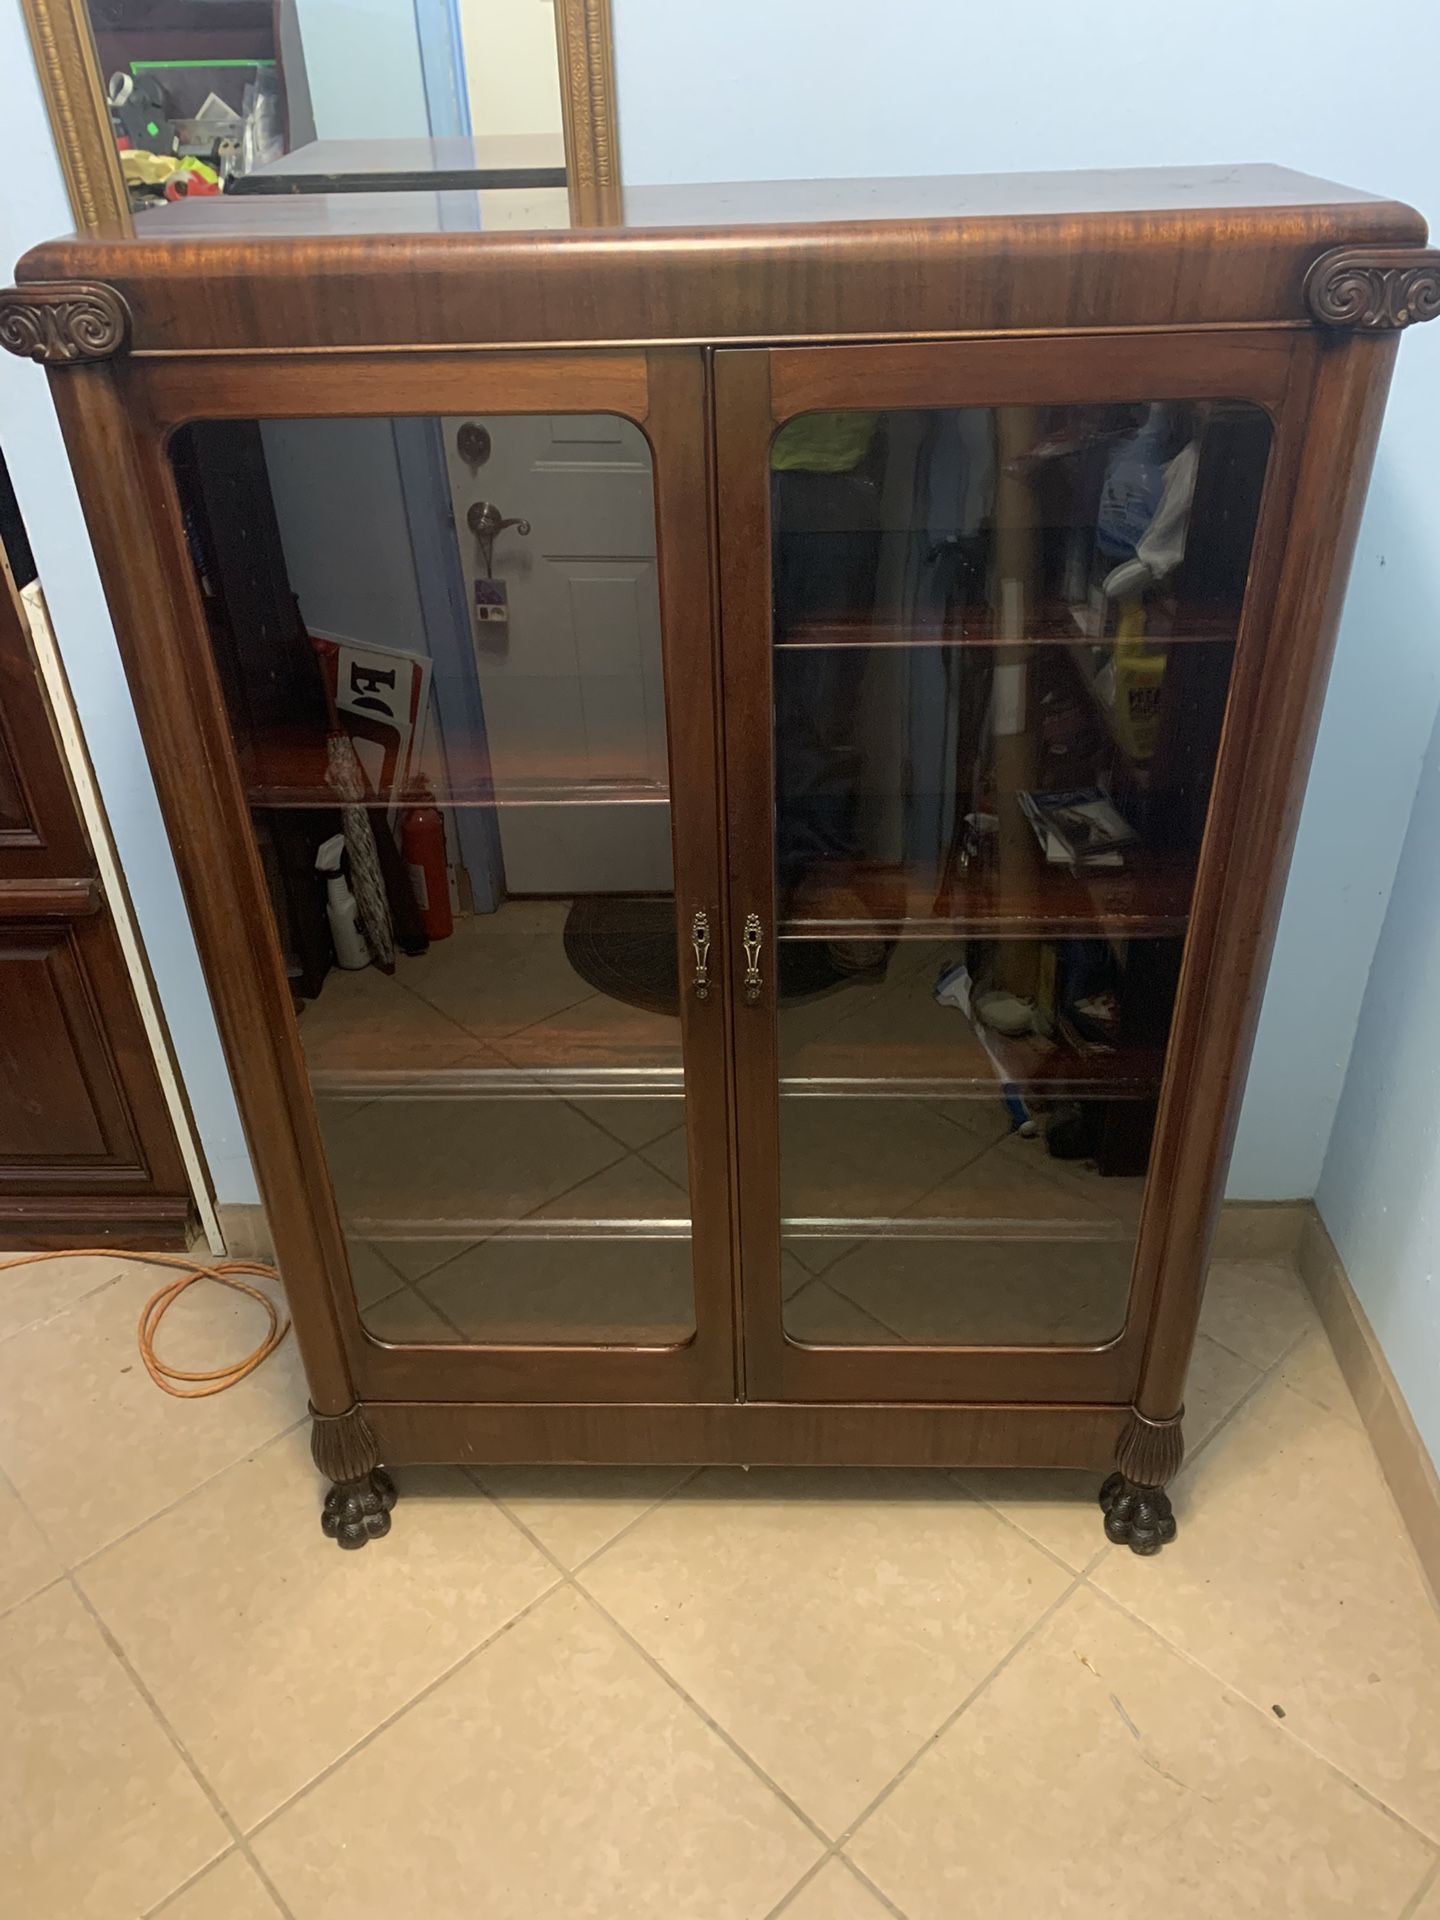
pixel 1002 649
pixel 455 748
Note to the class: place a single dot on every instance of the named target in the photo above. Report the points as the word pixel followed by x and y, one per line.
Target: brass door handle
pixel 751 939
pixel 700 940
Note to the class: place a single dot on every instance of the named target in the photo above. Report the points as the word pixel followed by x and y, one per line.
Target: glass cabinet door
pixel 1000 642
pixel 439 643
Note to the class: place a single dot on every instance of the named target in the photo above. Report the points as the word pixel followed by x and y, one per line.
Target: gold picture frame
pixel 80 118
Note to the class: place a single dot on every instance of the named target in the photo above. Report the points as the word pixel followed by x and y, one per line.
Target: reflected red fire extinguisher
pixel 422 844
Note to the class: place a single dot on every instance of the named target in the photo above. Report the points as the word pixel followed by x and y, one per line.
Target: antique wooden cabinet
pixel 862 645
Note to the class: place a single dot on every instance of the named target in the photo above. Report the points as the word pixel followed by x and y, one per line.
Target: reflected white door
pixel 570 680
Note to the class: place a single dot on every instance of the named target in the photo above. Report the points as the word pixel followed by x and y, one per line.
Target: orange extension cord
pixel 199 1385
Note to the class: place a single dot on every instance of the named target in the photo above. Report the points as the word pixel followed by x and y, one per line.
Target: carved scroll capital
pixel 1150 1451
pixel 1376 289
pixel 61 324
pixel 342 1444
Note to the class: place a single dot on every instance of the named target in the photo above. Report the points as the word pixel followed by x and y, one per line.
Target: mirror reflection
pixel 212 97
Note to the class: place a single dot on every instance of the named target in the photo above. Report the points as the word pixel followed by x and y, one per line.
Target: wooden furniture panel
pixel 62 1111
pixel 87 1152
pixel 710 317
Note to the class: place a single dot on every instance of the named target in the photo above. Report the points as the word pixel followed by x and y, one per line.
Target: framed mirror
pixel 155 101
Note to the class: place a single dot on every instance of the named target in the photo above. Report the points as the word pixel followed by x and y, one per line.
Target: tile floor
pixel 572 1695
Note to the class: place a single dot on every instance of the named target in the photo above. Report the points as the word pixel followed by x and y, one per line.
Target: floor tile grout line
pixel 192 1766
pixel 787 1900
pixel 44 1319
pixel 1284 1728
pixel 1030 1539
pixel 709 1720
pixel 819 1280
pixel 605 1545
pixel 1255 1386
pixel 1427 1881
pixel 49 1587
pixel 383 1726
pixel 933 1739
pixel 250 1453
pixel 871 1886
pixel 519 1220
pixel 669 1679
pixel 592 993
pixel 176 1893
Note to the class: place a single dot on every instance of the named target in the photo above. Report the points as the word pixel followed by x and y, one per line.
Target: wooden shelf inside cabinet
pixel 961 1068
pixel 1147 899
pixel 973 1226
pixel 290 774
pixel 1054 629
pixel 498 1083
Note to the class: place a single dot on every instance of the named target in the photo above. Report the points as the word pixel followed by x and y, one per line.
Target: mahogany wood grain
pixel 752 1433
pixel 1297 590
pixel 51 1222
pixel 1156 249
pixel 60 899
pixel 87 1151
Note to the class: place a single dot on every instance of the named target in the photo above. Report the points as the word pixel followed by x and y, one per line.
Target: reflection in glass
pixel 1002 650
pixel 456 758
pixel 264 96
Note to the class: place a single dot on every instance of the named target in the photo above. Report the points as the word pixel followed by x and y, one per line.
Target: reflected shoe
pixel 857 955
pixel 1004 1013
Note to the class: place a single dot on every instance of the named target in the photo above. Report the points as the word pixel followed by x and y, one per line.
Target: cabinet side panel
pixel 1334 414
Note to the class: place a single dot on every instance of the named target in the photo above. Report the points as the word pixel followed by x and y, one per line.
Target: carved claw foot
pixel 359 1510
pixel 1136 1517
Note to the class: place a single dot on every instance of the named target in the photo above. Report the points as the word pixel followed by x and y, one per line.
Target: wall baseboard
pixel 246 1232
pixel 1404 1459
pixel 1260 1229
pixel 152 1223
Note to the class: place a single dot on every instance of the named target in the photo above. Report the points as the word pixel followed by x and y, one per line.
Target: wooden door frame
pixel 1277 681
pixel 117 417
pixel 70 79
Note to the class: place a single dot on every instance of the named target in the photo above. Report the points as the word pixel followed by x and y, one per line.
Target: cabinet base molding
pixel 747 1434
pixel 143 1223
pixel 1404 1458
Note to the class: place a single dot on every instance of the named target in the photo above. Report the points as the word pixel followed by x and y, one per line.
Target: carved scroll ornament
pixel 62 324
pixel 1377 289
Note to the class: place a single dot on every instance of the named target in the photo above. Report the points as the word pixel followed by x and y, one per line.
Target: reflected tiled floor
pixel 810 1695
pixel 501 995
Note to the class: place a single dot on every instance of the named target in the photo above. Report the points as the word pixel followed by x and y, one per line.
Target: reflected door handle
pixel 700 940
pixel 751 939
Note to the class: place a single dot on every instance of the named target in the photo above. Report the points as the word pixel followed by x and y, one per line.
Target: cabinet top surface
pixel 778 260
pixel 1254 195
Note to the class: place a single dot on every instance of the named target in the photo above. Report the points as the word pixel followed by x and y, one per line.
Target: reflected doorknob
pixel 485 520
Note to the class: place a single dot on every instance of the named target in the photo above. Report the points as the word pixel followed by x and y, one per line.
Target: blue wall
pixel 1380 1190
pixel 362 59
pixel 819 87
